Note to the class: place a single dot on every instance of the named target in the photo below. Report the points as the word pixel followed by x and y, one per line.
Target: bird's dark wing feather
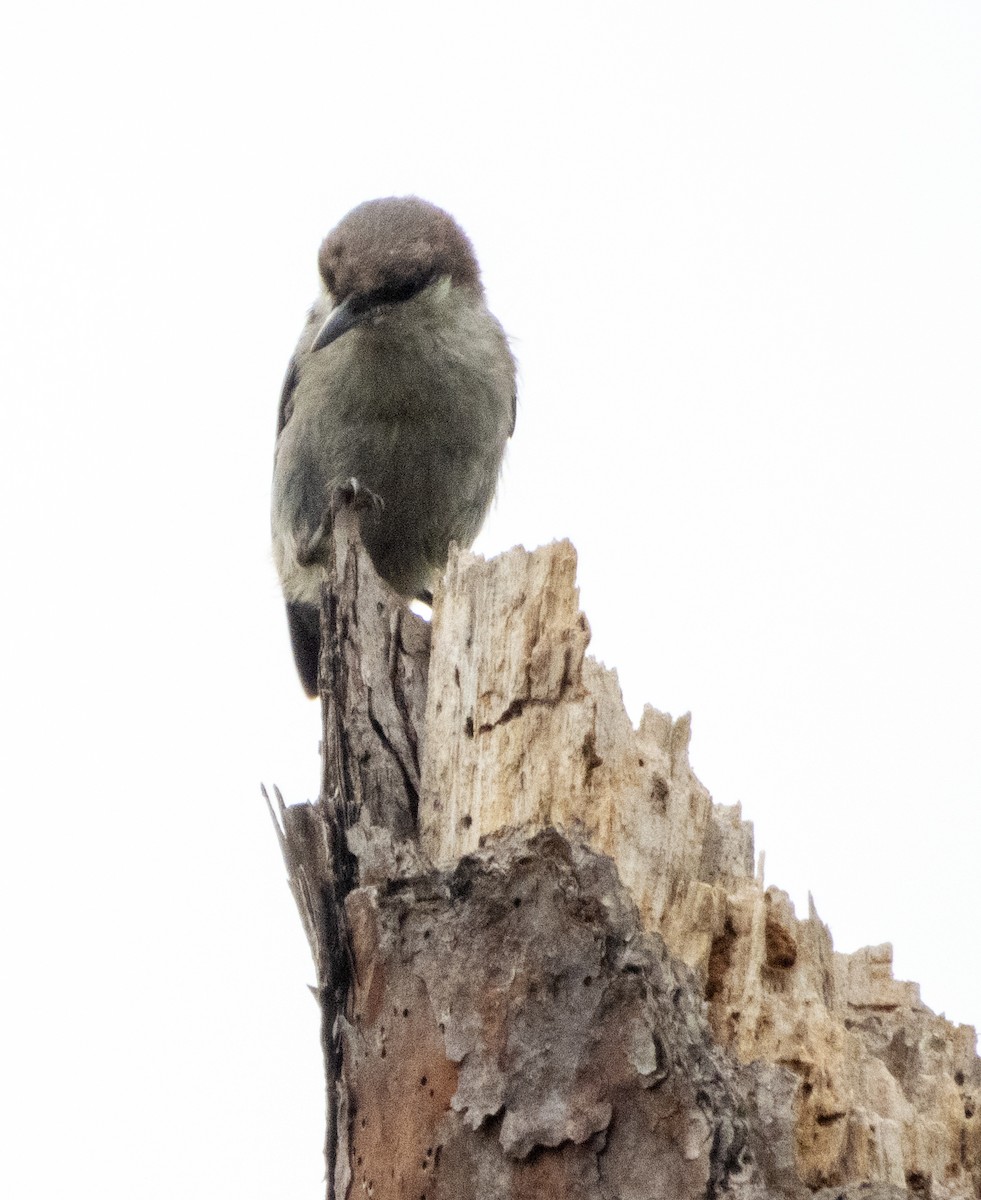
pixel 286 396
pixel 514 411
pixel 304 623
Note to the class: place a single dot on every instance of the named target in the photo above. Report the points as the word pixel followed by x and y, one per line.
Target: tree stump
pixel 545 964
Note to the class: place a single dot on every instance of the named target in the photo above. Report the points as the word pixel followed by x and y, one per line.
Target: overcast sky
pixel 738 250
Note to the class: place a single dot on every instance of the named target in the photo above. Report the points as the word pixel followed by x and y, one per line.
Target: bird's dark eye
pixel 395 292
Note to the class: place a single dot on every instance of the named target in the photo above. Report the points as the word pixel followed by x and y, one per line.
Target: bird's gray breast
pixel 417 408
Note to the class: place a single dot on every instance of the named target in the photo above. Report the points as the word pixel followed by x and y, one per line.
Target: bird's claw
pixel 354 493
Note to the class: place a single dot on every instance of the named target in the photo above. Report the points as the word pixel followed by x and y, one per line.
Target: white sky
pixel 738 248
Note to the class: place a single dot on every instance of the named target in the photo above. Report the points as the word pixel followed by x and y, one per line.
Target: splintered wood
pixel 526 730
pixel 546 964
pixel 505 689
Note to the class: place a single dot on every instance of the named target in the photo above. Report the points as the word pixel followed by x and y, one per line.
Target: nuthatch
pixel 402 385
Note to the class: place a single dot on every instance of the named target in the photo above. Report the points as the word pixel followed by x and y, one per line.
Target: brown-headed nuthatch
pixel 403 386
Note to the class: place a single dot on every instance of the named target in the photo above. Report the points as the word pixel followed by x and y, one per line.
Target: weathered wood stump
pixel 545 964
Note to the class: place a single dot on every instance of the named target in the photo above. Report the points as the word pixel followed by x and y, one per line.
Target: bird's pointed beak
pixel 341 319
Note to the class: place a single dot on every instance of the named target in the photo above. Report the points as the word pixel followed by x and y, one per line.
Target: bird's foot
pixel 355 494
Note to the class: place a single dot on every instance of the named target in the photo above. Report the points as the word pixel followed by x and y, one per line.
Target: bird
pixel 402 388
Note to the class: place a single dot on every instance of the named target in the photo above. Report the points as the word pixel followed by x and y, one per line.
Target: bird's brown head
pixel 387 250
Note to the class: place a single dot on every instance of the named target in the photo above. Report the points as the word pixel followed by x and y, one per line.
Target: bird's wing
pixel 304 623
pixel 286 396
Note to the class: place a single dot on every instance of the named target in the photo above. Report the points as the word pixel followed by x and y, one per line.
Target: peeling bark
pixel 516 1025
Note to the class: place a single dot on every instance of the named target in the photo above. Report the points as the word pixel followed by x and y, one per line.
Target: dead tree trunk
pixel 545 965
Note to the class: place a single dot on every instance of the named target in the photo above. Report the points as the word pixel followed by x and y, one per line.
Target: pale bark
pixel 545 963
